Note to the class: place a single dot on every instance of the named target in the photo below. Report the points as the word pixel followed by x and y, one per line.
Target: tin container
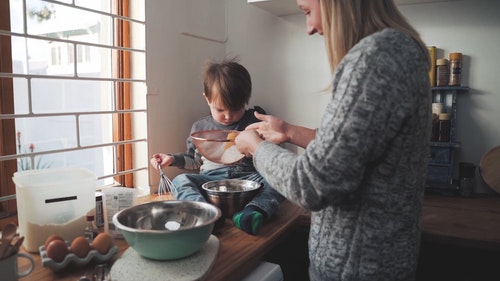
pixel 455 69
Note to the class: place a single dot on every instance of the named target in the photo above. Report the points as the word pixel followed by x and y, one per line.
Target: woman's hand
pixel 271 128
pixel 277 131
pixel 162 159
pixel 247 142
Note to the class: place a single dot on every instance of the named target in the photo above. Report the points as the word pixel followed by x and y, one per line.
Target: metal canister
pixel 455 69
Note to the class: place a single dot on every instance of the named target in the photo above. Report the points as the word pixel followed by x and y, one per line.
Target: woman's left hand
pixel 247 142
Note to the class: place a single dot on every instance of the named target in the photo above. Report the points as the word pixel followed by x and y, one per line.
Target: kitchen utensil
pixel 166 230
pixel 217 145
pixel 489 167
pixel 14 248
pixel 165 184
pixel 131 266
pixel 11 269
pixel 102 273
pixel 8 233
pixel 231 195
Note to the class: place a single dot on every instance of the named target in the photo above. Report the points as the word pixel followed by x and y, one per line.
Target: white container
pixel 53 201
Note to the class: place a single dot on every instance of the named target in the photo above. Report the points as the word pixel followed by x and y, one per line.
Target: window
pixel 72 91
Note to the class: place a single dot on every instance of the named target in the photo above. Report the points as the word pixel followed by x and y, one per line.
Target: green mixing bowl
pixel 167 230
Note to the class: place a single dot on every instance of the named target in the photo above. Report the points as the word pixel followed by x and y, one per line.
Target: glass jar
pixel 437 108
pixel 444 127
pixel 455 69
pixel 442 72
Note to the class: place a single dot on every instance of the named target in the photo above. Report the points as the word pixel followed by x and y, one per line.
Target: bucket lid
pixel 51 176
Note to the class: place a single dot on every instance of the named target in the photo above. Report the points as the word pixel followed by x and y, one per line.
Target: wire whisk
pixel 165 184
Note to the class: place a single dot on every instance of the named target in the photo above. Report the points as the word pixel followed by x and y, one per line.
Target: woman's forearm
pixel 300 136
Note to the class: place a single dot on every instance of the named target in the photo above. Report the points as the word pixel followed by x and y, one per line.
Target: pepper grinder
pixel 466 173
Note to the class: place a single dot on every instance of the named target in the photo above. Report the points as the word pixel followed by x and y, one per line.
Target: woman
pixel 362 174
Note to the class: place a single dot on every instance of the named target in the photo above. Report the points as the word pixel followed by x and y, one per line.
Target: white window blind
pixel 78 88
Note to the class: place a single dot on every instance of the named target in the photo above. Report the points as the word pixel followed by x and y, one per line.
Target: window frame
pixel 122 123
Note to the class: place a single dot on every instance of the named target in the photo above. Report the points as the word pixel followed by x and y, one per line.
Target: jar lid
pixel 437 107
pixel 441 62
pixel 444 116
pixel 455 56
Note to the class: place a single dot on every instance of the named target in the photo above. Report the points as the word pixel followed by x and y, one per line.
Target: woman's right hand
pixel 163 159
pixel 271 128
pixel 277 131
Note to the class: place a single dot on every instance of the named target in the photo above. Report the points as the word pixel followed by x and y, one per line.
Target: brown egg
pixel 102 242
pixel 52 238
pixel 80 247
pixel 57 250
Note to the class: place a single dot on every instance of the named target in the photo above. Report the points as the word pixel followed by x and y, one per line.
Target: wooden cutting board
pixel 133 267
pixel 489 168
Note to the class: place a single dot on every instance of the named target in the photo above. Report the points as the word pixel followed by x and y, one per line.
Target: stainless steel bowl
pixel 166 230
pixel 217 145
pixel 231 195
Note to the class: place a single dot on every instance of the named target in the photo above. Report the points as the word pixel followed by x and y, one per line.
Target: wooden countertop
pixel 238 252
pixel 469 222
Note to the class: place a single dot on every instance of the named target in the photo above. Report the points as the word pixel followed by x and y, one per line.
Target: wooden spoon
pixel 8 233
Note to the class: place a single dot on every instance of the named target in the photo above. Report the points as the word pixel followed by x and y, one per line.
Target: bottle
pixel 99 215
pixel 444 127
pixel 442 72
pixel 455 69
pixel 432 70
pixel 91 230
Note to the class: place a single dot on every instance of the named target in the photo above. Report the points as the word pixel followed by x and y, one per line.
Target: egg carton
pixel 70 258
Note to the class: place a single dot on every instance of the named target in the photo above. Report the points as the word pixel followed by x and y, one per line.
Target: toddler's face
pixel 224 116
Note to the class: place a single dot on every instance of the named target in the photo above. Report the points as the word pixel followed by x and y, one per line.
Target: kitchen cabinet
pixel 289 7
pixel 442 154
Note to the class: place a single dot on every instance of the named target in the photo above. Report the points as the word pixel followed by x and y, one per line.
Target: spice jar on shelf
pixel 442 72
pixel 432 70
pixel 437 108
pixel 455 69
pixel 444 127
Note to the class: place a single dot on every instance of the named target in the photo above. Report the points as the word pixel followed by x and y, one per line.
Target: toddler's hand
pixel 161 159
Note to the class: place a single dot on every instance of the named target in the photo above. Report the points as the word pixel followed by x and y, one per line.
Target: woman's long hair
pixel 346 22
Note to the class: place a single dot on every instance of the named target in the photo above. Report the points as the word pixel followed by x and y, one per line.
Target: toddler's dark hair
pixel 230 80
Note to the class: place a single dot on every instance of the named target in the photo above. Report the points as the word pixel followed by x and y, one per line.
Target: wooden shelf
pixel 442 154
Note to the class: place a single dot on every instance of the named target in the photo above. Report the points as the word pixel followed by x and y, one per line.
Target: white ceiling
pixel 289 7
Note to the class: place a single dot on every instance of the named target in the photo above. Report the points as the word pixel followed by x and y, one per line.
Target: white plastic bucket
pixel 53 201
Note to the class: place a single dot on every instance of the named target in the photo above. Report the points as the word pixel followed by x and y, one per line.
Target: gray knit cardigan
pixel 363 175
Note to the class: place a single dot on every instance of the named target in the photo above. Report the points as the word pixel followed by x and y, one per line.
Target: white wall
pixel 289 68
pixel 173 66
pixel 471 27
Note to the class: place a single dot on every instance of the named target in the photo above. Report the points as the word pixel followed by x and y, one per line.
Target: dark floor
pixel 292 256
pixel 437 261
pixel 445 262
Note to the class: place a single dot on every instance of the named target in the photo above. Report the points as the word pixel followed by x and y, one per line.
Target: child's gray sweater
pixel 363 176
